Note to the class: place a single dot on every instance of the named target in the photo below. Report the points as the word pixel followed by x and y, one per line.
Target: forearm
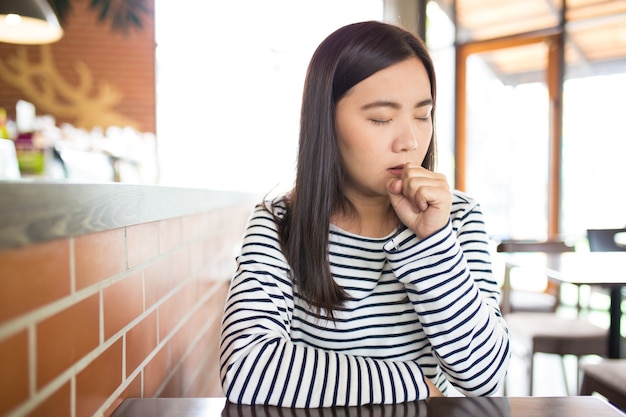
pixel 277 372
pixel 462 322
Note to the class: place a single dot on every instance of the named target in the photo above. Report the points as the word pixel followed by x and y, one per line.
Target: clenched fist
pixel 421 199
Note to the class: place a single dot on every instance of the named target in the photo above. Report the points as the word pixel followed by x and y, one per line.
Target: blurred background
pixel 207 94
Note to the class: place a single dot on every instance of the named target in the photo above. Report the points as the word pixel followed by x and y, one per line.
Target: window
pixel 538 172
pixel 594 147
pixel 229 85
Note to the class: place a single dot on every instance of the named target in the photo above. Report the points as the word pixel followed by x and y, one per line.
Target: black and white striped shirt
pixel 419 309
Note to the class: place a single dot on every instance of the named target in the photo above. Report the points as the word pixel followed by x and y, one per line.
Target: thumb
pixel 394 186
pixel 394 190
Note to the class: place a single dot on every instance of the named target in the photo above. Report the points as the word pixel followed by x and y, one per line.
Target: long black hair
pixel 345 58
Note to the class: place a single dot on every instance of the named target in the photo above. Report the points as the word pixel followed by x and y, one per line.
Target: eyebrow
pixel 394 105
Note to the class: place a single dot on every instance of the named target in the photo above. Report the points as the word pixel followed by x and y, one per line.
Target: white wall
pixel 229 84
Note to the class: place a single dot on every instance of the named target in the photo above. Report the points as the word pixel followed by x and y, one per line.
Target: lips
pixel 396 171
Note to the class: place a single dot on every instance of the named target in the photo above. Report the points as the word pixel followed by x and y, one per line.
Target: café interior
pixel 529 121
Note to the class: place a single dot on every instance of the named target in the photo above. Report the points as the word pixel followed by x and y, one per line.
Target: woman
pixel 370 282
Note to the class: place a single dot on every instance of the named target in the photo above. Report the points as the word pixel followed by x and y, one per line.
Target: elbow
pixel 492 377
pixel 489 379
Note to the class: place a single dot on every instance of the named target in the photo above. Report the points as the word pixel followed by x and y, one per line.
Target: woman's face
pixel 382 123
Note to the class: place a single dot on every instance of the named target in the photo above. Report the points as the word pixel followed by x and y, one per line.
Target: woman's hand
pixel 434 391
pixel 421 199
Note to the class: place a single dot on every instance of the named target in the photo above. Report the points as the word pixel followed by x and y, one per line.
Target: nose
pixel 406 138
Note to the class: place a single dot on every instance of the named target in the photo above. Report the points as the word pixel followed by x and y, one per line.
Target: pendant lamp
pixel 29 22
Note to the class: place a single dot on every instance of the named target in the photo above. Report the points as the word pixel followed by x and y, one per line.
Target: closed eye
pixel 380 122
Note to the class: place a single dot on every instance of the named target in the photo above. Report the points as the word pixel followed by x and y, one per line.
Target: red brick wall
pixel 123 62
pixel 131 312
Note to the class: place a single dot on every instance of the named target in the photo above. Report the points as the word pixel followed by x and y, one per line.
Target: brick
pixel 33 276
pixel 122 303
pixel 141 340
pixel 14 371
pixel 142 243
pixel 174 386
pixel 158 280
pixel 181 264
pixel 172 310
pixel 98 256
pixel 197 225
pixel 133 390
pixel 57 404
pixel 66 337
pixel 126 62
pixel 170 234
pixel 97 382
pixel 156 372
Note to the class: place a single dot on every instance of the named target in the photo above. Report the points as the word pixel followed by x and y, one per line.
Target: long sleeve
pixel 449 281
pixel 260 364
pixel 418 309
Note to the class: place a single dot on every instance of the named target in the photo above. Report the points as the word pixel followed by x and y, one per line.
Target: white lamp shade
pixel 29 22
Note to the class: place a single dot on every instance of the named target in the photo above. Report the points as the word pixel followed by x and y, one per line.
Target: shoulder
pixel 275 206
pixel 261 240
pixel 464 206
pixel 265 218
pixel 270 208
pixel 463 201
pixel 459 197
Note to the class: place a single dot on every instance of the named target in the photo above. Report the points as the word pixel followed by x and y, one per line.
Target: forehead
pixel 405 80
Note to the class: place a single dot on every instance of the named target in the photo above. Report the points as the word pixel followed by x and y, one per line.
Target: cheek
pixel 358 145
pixel 426 135
pixel 343 132
pixel 423 144
pixel 353 137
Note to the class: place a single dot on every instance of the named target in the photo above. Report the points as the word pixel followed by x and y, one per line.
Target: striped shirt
pixel 418 309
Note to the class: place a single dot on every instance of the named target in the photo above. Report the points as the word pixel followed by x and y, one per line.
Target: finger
pixel 421 199
pixel 394 186
pixel 394 191
pixel 412 169
pixel 413 187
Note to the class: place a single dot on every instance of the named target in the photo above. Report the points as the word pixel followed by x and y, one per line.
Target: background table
pixel 605 269
pixel 434 407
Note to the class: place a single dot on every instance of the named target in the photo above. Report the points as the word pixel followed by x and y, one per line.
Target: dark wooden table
pixel 604 269
pixel 435 407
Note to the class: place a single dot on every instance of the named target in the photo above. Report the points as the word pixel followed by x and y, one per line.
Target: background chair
pixel 550 333
pixel 545 330
pixel 528 300
pixel 607 240
pixel 607 378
